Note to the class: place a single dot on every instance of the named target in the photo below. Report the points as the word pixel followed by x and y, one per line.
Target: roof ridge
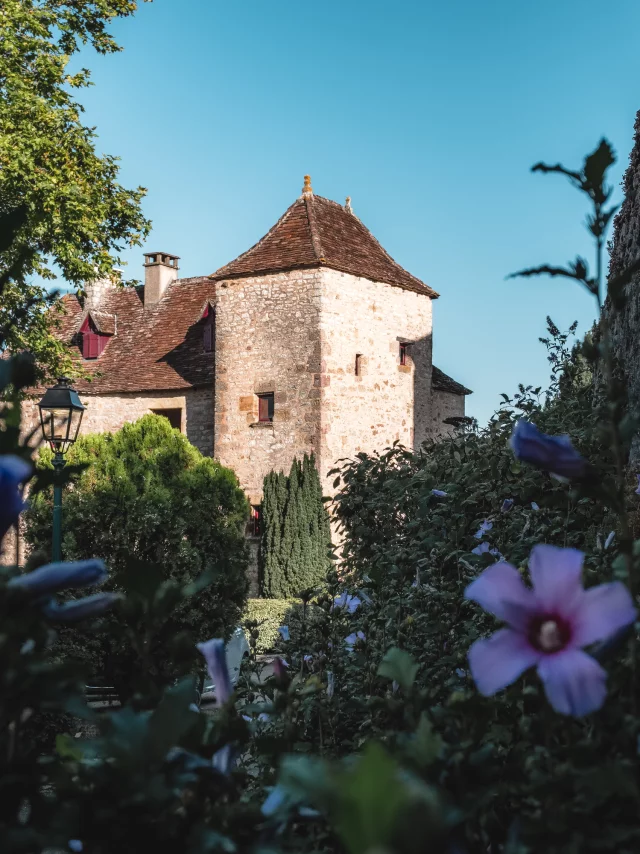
pixel 313 227
pixel 273 228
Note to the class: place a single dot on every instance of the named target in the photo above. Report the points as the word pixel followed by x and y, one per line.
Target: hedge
pixel 272 613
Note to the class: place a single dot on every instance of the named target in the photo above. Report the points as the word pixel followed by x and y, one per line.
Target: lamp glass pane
pixel 74 425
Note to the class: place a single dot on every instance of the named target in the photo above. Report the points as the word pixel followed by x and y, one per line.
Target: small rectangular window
pixel 358 370
pixel 265 407
pixel 173 416
pixel 403 353
pixel 255 524
pixel 207 337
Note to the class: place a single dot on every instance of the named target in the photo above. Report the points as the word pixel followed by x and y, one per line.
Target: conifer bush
pixel 296 538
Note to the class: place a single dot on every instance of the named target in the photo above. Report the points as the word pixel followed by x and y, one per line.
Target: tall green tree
pixel 76 217
pixel 296 537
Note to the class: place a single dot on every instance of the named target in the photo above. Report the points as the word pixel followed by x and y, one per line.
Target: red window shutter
pixel 208 338
pixel 263 409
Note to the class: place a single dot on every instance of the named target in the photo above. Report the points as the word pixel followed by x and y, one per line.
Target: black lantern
pixel 60 415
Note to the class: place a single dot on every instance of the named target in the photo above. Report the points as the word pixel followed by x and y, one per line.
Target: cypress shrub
pixel 296 537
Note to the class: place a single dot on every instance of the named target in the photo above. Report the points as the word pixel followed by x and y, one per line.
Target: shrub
pixel 148 497
pixel 296 540
pixel 270 614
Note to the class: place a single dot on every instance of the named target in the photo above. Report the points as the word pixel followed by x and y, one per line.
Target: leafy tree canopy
pixel 74 215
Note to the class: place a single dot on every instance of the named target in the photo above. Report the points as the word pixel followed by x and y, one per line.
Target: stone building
pixel 315 339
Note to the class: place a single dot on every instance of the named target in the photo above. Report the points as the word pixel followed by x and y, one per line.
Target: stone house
pixel 314 339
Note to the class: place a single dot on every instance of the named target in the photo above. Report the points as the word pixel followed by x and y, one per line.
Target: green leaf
pixel 400 667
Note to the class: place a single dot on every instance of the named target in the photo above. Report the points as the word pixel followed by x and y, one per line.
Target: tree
pixel 296 538
pixel 76 216
pixel 149 499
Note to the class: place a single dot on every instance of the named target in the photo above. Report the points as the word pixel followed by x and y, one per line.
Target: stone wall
pixel 108 413
pixel 625 250
pixel 267 340
pixel 388 401
pixel 444 405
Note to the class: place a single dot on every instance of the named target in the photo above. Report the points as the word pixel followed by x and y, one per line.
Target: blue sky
pixel 428 114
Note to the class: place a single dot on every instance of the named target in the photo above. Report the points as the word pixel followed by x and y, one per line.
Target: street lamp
pixel 60 416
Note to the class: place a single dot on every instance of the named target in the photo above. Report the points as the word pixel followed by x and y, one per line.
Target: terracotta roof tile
pixel 153 349
pixel 316 232
pixel 441 382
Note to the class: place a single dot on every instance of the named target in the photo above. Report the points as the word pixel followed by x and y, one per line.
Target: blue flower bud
pixel 60 576
pixel 214 654
pixel 80 609
pixel 554 454
pixel 13 472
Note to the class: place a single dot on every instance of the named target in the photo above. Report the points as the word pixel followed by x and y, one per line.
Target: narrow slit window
pixel 403 353
pixel 255 525
pixel 265 408
pixel 358 370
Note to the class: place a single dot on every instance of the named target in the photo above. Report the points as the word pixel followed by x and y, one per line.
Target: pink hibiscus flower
pixel 547 627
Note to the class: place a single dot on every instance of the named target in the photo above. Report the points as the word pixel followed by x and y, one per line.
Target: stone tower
pixel 323 344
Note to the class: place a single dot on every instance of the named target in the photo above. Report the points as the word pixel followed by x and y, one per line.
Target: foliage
pixel 74 214
pixel 269 615
pixel 296 539
pixel 148 499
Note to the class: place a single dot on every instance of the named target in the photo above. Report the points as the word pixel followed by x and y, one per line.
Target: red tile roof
pixel 441 382
pixel 153 349
pixel 316 232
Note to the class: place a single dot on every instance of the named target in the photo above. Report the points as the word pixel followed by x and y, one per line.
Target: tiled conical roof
pixel 316 232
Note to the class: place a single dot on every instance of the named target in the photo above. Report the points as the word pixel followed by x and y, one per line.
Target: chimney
pixel 160 269
pixel 95 292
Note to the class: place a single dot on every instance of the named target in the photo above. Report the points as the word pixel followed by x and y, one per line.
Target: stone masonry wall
pixel 108 413
pixel 444 405
pixel 267 340
pixel 388 401
pixel 625 250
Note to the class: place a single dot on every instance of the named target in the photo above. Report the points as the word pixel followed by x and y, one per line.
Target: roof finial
pixel 307 190
pixel 347 205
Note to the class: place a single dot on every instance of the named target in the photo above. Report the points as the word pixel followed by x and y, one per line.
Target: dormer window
pixel 93 340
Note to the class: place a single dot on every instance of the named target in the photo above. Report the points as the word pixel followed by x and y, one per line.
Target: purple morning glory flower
pixel 485 548
pixel 547 626
pixel 59 576
pixel 214 654
pixel 554 454
pixel 534 506
pixel 637 491
pixel 75 845
pixel 80 609
pixel 284 632
pixel 351 639
pixel 482 530
pixel 348 601
pixel 14 471
pixel 507 504
pixel 439 493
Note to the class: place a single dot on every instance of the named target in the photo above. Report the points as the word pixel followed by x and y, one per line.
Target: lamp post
pixel 60 416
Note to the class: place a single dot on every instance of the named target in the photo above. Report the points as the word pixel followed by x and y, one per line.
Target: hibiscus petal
pixel 498 589
pixel 497 661
pixel 574 683
pixel 556 575
pixel 604 610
